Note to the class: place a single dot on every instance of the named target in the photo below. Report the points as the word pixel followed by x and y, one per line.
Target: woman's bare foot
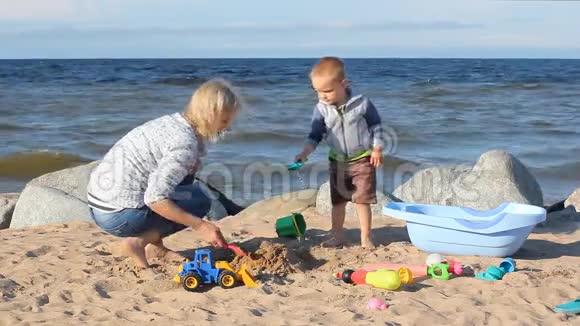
pixel 367 243
pixel 158 250
pixel 135 248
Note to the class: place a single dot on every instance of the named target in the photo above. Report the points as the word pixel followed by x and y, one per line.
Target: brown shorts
pixel 353 181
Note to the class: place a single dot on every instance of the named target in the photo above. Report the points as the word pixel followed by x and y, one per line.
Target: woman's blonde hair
pixel 208 104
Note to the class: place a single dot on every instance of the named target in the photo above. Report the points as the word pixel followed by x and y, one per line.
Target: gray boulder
pixel 61 197
pixel 573 200
pixel 565 216
pixel 279 206
pixel 497 177
pixel 56 197
pixel 324 205
pixel 7 204
pixel 217 210
pixel 40 205
pixel 73 181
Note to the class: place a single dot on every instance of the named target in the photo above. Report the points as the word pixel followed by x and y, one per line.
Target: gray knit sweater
pixel 147 164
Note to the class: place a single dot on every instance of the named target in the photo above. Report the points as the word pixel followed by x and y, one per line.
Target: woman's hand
pixel 211 233
pixel 207 230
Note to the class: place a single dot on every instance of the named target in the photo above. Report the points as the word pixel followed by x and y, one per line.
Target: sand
pixel 71 274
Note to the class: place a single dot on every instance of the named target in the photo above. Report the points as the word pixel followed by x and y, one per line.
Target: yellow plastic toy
pixel 382 278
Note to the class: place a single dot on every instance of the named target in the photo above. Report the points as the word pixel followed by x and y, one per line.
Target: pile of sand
pixel 271 258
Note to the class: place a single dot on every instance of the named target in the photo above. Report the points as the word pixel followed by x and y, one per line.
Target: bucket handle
pixel 296 225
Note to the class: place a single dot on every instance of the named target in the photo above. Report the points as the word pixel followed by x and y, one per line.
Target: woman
pixel 136 192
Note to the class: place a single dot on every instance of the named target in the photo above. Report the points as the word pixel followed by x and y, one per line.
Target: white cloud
pixel 42 11
pixel 22 10
pixel 88 28
pixel 105 26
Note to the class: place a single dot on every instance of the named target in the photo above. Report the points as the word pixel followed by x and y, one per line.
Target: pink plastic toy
pixel 455 267
pixel 376 304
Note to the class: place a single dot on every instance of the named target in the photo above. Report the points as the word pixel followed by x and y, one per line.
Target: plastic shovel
pixel 236 249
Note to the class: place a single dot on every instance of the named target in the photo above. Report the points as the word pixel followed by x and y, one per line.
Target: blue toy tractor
pixel 203 270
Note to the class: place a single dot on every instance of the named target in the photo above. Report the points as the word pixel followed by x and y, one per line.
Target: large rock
pixel 61 196
pixel 43 205
pixel 564 216
pixel 7 204
pixel 324 205
pixel 430 185
pixel 217 210
pixel 73 181
pixel 497 177
pixel 56 197
pixel 282 205
pixel 574 200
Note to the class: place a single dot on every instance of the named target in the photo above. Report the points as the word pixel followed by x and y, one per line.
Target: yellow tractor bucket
pixel 242 275
pixel 246 277
pixel 224 265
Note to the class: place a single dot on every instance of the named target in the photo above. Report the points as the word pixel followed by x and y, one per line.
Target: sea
pixel 56 114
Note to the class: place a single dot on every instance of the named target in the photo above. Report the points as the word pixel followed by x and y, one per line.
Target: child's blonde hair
pixel 331 67
pixel 210 102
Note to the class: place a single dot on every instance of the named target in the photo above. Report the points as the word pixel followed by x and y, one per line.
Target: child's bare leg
pixel 365 218
pixel 158 250
pixel 338 213
pixel 134 247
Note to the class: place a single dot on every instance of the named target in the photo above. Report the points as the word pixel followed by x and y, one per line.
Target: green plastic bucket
pixel 291 226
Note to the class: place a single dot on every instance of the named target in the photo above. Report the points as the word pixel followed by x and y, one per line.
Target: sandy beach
pixel 453 121
pixel 65 274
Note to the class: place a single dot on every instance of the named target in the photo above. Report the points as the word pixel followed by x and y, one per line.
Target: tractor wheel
pixel 191 281
pixel 227 279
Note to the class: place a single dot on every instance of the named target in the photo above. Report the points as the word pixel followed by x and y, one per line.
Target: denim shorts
pixel 131 222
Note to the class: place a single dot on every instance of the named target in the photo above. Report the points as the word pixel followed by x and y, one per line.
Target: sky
pixel 293 28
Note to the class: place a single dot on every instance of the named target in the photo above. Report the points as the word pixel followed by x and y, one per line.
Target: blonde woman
pixel 136 192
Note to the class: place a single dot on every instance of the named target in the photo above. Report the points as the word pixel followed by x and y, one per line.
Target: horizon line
pixel 292 58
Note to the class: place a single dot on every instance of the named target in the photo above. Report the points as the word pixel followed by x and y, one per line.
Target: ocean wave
pixel 268 166
pixel 238 82
pixel 436 92
pixel 558 132
pixel 111 79
pixel 568 171
pixel 454 121
pixel 261 82
pixel 11 127
pixel 180 81
pixel 433 89
pixel 32 164
pixel 251 137
pixel 426 82
pixel 524 86
pixel 249 99
pixel 541 123
pixel 571 105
